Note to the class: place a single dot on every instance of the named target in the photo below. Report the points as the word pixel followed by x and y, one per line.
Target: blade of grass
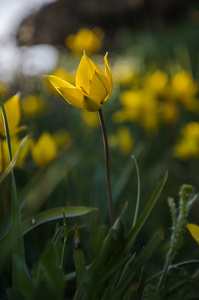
pixel 139 262
pixel 138 192
pixel 17 235
pixel 133 233
pixel 65 239
pixel 15 158
pixel 78 257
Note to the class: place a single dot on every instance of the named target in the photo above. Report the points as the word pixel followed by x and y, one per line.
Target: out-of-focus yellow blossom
pixel 194 231
pixel 63 139
pixel 67 76
pixel 91 120
pixel 138 106
pixel 131 102
pixel 93 87
pixel 149 112
pixel 124 72
pixel 44 150
pixel 122 139
pixel 85 39
pixel 188 146
pixel 13 113
pixel 184 89
pixel 125 139
pixel 169 113
pixel 32 105
pixel 156 82
pixel 4 153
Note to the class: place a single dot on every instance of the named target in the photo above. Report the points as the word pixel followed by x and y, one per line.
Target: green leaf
pixel 133 233
pixel 140 261
pixel 138 192
pixel 15 158
pixel 17 235
pixel 78 257
pixel 24 282
pixel 57 235
pixel 46 216
pixel 49 275
pixel 65 239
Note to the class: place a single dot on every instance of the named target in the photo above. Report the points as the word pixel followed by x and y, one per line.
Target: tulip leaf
pixel 15 158
pixel 133 233
pixel 46 216
pixel 17 235
pixel 140 261
pixel 78 257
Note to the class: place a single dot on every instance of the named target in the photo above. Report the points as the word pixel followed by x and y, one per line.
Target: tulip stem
pixel 108 179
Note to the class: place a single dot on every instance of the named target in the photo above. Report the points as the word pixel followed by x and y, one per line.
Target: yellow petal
pixel 194 230
pixel 91 105
pixel 108 75
pixel 44 150
pixel 58 82
pixel 13 113
pixel 99 88
pixel 85 73
pixel 72 95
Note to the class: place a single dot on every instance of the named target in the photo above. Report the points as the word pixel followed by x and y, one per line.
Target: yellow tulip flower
pixel 44 150
pixel 4 153
pixel 93 87
pixel 194 230
pixel 13 113
pixel 85 39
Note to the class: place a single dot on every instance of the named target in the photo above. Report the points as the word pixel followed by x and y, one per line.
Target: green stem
pixel 163 277
pixel 108 179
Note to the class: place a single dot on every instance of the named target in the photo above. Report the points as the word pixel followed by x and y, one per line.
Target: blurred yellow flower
pixel 184 89
pixel 13 113
pixel 32 105
pixel 157 81
pixel 183 84
pixel 188 146
pixel 44 150
pixel 169 112
pixel 62 139
pixel 85 39
pixel 93 87
pixel 91 120
pixel 4 153
pixel 125 139
pixel 138 106
pixel 194 231
pixel 122 139
pixel 124 72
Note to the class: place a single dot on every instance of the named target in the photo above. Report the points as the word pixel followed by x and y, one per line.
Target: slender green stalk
pixel 108 179
pixel 138 192
pixel 65 239
pixel 17 235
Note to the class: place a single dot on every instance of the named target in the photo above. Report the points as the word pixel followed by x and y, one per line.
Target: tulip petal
pixel 85 73
pixel 194 230
pixel 58 82
pixel 72 95
pixel 91 105
pixel 99 88
pixel 108 75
